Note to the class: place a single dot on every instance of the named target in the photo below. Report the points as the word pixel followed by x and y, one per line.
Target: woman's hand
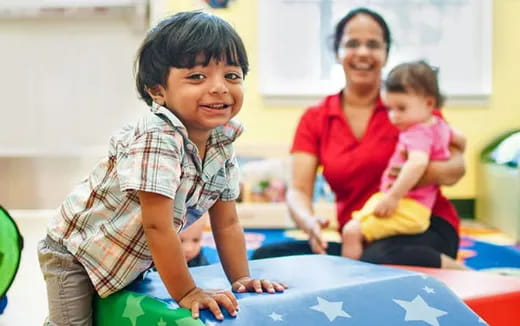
pixel 248 284
pixel 197 299
pixel 313 228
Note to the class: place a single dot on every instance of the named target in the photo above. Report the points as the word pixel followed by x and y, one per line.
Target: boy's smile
pixel 203 97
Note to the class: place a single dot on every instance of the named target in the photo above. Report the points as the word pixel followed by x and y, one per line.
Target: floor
pixel 27 299
pixel 27 296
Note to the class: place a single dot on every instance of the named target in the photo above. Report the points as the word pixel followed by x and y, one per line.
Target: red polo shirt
pixel 352 167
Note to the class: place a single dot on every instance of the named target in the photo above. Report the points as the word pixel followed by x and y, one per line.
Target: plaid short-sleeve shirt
pixel 100 221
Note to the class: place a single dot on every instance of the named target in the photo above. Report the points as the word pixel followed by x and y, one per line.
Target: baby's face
pixel 407 109
pixel 191 238
pixel 191 243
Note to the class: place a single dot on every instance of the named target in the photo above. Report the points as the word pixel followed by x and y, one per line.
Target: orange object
pixel 495 298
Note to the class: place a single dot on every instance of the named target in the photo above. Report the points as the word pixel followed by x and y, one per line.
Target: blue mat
pixel 326 290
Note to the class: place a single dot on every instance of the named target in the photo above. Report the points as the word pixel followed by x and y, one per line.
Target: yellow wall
pixel 269 124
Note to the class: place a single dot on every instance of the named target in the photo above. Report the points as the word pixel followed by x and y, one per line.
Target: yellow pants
pixel 410 217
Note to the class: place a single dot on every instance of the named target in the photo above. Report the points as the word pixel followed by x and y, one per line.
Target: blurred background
pixel 66 79
pixel 66 84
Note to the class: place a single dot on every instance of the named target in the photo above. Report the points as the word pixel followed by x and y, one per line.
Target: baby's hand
pixel 248 284
pixel 198 299
pixel 386 206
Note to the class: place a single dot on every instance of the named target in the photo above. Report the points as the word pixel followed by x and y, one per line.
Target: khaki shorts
pixel 69 290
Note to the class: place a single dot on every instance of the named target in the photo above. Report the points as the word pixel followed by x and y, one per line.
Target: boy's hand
pixel 386 206
pixel 248 284
pixel 198 299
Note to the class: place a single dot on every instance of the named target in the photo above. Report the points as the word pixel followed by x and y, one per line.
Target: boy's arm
pixel 166 249
pixel 229 238
pixel 164 244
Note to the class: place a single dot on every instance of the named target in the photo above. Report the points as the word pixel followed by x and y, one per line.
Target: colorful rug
pixel 481 248
pixel 488 249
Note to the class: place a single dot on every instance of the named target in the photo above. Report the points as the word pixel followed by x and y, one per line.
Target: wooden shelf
pixel 276 215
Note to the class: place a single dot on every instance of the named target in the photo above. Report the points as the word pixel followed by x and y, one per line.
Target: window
pixel 295 43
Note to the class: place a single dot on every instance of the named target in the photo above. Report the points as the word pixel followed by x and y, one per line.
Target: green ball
pixel 11 244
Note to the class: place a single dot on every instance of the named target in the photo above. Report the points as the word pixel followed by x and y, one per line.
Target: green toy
pixel 11 244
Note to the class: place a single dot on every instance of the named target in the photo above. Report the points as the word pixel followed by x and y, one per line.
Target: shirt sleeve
pixel 417 138
pixel 232 180
pixel 306 138
pixel 151 163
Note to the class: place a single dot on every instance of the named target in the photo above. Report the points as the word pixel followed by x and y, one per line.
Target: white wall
pixel 65 84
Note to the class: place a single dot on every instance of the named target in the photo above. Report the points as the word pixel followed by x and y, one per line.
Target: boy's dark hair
pixel 417 77
pixel 340 26
pixel 180 41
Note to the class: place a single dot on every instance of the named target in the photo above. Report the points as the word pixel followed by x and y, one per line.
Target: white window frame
pixel 276 20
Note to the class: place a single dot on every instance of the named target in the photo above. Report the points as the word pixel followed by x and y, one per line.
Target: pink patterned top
pixel 434 139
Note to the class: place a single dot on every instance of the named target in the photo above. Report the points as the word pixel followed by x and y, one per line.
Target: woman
pixel 349 134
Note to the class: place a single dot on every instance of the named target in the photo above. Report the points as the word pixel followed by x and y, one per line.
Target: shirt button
pixel 189 147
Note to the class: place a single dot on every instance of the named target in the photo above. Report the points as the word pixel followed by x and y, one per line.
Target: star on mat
pixel 330 308
pixel 276 317
pixel 189 321
pixel 419 310
pixel 133 308
pixel 428 290
pixel 161 322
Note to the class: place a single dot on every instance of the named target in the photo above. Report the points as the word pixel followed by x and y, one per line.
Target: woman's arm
pixel 448 172
pixel 299 200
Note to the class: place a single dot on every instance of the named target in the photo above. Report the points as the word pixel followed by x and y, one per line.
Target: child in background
pixel 191 239
pixel 160 176
pixel 401 207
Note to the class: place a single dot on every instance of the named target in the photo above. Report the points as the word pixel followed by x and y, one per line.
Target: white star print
pixel 428 289
pixel 161 322
pixel 133 308
pixel 418 309
pixel 276 317
pixel 331 309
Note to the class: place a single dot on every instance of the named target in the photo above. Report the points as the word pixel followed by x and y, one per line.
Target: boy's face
pixel 407 109
pixel 203 97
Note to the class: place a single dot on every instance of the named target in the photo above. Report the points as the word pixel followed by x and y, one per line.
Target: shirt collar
pixel 336 108
pixel 222 135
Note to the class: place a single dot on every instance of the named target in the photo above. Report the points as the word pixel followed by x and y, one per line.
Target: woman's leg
pixel 292 248
pixel 69 290
pixel 423 249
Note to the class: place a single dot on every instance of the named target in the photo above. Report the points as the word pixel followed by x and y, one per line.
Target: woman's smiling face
pixel 362 51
